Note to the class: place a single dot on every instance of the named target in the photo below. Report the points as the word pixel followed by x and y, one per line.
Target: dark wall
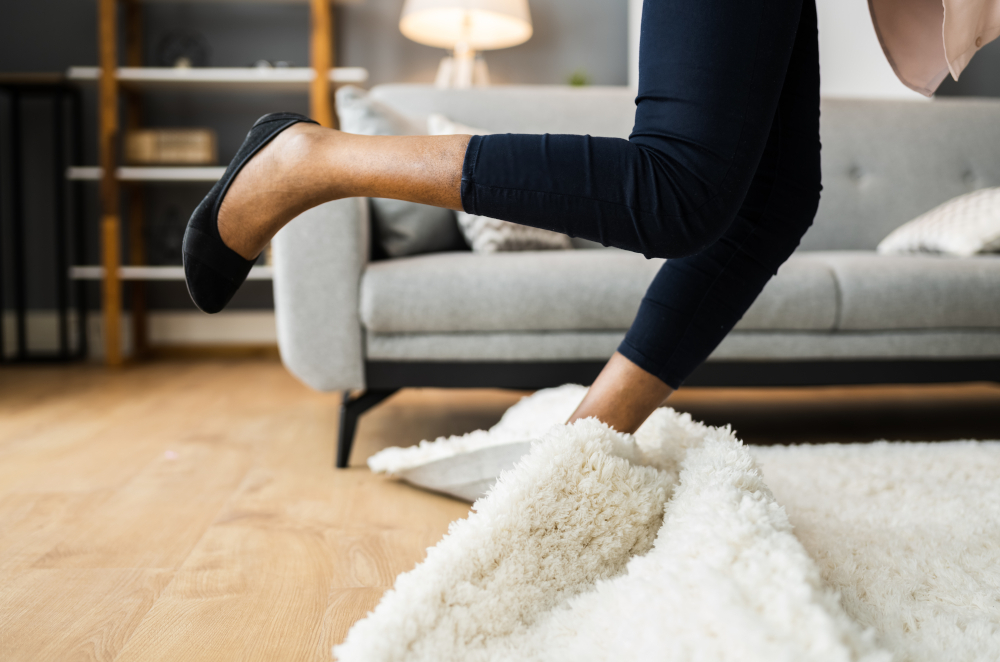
pixel 30 40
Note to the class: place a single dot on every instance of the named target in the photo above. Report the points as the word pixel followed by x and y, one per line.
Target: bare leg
pixel 307 165
pixel 622 396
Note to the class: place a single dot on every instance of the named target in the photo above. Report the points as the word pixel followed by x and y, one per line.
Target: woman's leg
pixel 307 165
pixel 623 395
pixel 695 301
pixel 710 76
pixel 711 73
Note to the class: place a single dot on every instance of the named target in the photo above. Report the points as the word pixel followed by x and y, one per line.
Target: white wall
pixel 851 60
pixel 852 63
pixel 175 328
pixel 634 18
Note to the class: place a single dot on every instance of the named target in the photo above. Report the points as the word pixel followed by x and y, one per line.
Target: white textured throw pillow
pixel 466 466
pixel 490 235
pixel 963 226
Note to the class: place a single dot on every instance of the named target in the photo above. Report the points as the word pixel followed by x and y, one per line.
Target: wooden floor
pixel 189 511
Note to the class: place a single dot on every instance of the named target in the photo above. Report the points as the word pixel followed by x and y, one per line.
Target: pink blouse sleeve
pixel 925 40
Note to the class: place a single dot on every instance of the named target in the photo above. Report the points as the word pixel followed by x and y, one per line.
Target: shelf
pixel 154 273
pixel 138 85
pixel 150 173
pixel 290 79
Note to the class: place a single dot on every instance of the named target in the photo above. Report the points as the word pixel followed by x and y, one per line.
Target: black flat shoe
pixel 212 270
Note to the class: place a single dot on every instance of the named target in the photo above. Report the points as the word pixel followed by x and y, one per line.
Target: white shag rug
pixel 669 546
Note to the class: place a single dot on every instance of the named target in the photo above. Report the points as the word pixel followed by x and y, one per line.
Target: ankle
pixel 317 154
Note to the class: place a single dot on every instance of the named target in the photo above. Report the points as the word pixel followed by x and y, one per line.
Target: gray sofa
pixel 836 312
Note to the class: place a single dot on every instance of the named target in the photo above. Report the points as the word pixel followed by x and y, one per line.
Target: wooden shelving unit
pixel 251 79
pixel 149 173
pixel 126 81
pixel 154 273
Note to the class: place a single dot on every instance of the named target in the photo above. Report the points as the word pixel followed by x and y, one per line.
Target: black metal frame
pixel 69 217
pixel 386 377
pixel 350 411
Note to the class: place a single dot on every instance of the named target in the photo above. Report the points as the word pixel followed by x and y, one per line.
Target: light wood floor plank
pixel 155 519
pixel 116 415
pixel 31 523
pixel 250 593
pixel 70 615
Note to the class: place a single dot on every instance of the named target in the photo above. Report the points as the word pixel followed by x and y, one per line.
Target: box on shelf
pixel 171 147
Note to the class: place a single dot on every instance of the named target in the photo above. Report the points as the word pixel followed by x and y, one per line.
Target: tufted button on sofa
pixel 836 312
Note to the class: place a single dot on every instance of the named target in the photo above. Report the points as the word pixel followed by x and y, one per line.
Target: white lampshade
pixel 479 25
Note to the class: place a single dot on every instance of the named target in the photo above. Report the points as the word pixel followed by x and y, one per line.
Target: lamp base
pixel 462 70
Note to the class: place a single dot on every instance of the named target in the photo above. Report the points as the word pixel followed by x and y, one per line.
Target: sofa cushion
pixel 881 292
pixel 515 291
pixel 559 291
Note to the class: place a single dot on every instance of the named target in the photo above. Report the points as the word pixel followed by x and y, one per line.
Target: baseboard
pixel 172 334
pixel 216 351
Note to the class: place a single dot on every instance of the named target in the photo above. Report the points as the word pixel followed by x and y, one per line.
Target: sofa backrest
pixel 884 162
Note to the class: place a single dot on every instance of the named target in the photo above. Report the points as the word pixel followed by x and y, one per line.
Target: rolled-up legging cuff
pixel 469 175
pixel 674 381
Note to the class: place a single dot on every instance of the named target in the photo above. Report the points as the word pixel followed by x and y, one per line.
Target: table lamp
pixel 465 27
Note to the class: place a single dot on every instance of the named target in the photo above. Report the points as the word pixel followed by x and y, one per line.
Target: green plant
pixel 579 78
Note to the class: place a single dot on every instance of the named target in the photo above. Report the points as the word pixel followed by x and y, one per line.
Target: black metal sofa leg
pixel 351 409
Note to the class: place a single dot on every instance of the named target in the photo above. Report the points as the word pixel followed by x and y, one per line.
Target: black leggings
pixel 721 173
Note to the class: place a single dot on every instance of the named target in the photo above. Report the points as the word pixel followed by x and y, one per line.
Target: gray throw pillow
pixel 401 228
pixel 407 228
